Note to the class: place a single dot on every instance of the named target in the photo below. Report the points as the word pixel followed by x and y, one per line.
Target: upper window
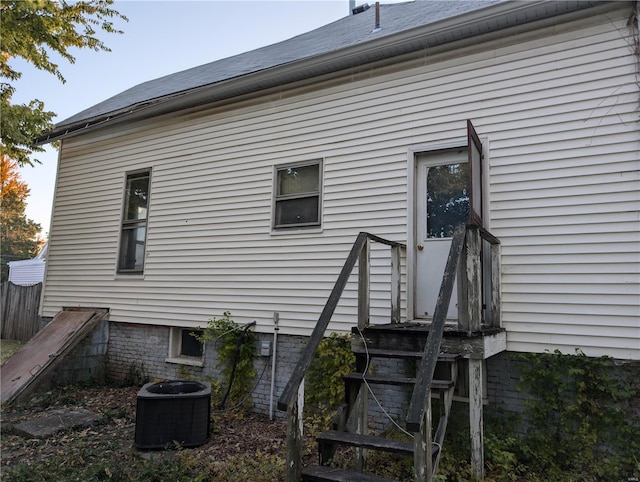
pixel 133 234
pixel 297 195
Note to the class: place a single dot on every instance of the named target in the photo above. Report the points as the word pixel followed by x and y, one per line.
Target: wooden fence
pixel 19 311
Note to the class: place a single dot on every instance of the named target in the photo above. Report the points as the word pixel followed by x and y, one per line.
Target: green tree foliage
pixel 18 234
pixel 39 31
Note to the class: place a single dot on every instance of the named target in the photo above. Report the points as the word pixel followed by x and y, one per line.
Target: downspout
pixel 276 318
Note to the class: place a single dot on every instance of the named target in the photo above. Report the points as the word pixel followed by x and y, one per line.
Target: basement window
pixel 184 347
pixel 297 195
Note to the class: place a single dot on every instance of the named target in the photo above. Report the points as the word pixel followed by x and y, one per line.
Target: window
pixel 297 195
pixel 447 199
pixel 189 344
pixel 133 235
pixel 184 347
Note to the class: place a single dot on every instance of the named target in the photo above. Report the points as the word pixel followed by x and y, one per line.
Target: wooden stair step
pixel 398 381
pixel 383 353
pixel 320 473
pixel 366 441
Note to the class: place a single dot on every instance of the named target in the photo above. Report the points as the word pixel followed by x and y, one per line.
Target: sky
pixel 161 37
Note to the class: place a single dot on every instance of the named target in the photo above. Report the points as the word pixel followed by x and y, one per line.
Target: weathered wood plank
pixel 396 287
pixel 366 441
pixel 362 428
pixel 323 321
pixel 470 301
pixel 316 473
pixel 395 380
pixel 421 394
pixel 295 420
pixel 364 295
pixel 496 289
pixel 321 326
pixel 423 443
pixel 476 387
pixel 383 353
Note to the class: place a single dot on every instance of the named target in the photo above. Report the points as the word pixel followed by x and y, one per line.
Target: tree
pixel 18 234
pixel 34 30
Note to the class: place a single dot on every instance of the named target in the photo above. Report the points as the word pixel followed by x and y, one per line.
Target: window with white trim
pixel 133 232
pixel 297 195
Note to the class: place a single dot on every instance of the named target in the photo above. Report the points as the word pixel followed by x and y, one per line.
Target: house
pixel 28 271
pixel 241 185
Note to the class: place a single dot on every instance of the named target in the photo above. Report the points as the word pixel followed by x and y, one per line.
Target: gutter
pixel 478 22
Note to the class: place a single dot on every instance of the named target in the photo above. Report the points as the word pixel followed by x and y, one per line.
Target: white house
pixel 241 185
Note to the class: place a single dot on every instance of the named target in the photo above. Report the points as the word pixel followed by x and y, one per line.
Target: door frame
pixel 412 152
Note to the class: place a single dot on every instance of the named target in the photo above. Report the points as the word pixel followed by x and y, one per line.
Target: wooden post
pixel 362 417
pixel 476 388
pixel 496 304
pixel 470 287
pixel 295 422
pixel 363 286
pixel 423 442
pixel 395 284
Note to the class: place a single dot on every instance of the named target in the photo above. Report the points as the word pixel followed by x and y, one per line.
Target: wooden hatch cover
pixel 44 351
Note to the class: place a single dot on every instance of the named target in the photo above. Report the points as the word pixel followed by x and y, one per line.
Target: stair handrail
pixel 290 391
pixel 427 368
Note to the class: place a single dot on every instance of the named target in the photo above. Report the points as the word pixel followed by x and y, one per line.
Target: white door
pixel 442 203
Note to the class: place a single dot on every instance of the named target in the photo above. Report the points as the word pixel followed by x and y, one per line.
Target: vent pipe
pixel 377 26
pixel 352 6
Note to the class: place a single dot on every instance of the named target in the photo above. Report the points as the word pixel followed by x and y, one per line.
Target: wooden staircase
pixel 417 344
pixel 395 341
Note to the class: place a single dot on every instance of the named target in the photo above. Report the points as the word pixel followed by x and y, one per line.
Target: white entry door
pixel 442 203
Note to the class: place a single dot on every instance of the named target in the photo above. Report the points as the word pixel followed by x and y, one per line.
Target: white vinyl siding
pixel 560 113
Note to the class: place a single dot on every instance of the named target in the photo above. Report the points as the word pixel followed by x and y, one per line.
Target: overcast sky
pixel 160 38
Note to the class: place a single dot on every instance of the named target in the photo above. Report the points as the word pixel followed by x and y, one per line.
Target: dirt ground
pixel 233 433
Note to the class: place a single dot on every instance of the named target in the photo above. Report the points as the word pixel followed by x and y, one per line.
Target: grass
pixel 8 348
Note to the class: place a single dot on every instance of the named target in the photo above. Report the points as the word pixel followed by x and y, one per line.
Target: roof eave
pixel 478 22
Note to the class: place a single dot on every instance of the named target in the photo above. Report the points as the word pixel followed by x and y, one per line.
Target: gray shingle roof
pixel 346 32
pixel 345 43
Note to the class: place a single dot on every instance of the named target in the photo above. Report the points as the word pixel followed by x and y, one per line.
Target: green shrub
pixel 235 349
pixel 582 419
pixel 324 386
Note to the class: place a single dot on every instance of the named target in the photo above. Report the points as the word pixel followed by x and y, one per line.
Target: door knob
pixel 420 247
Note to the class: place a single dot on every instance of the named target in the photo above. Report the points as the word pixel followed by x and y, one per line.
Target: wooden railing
pixel 479 290
pixel 291 399
pixel 469 247
pixel 419 415
pixel 465 260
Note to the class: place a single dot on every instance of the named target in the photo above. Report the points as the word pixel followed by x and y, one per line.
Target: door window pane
pixel 447 199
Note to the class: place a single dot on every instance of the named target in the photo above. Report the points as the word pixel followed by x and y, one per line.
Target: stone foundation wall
pixel 140 352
